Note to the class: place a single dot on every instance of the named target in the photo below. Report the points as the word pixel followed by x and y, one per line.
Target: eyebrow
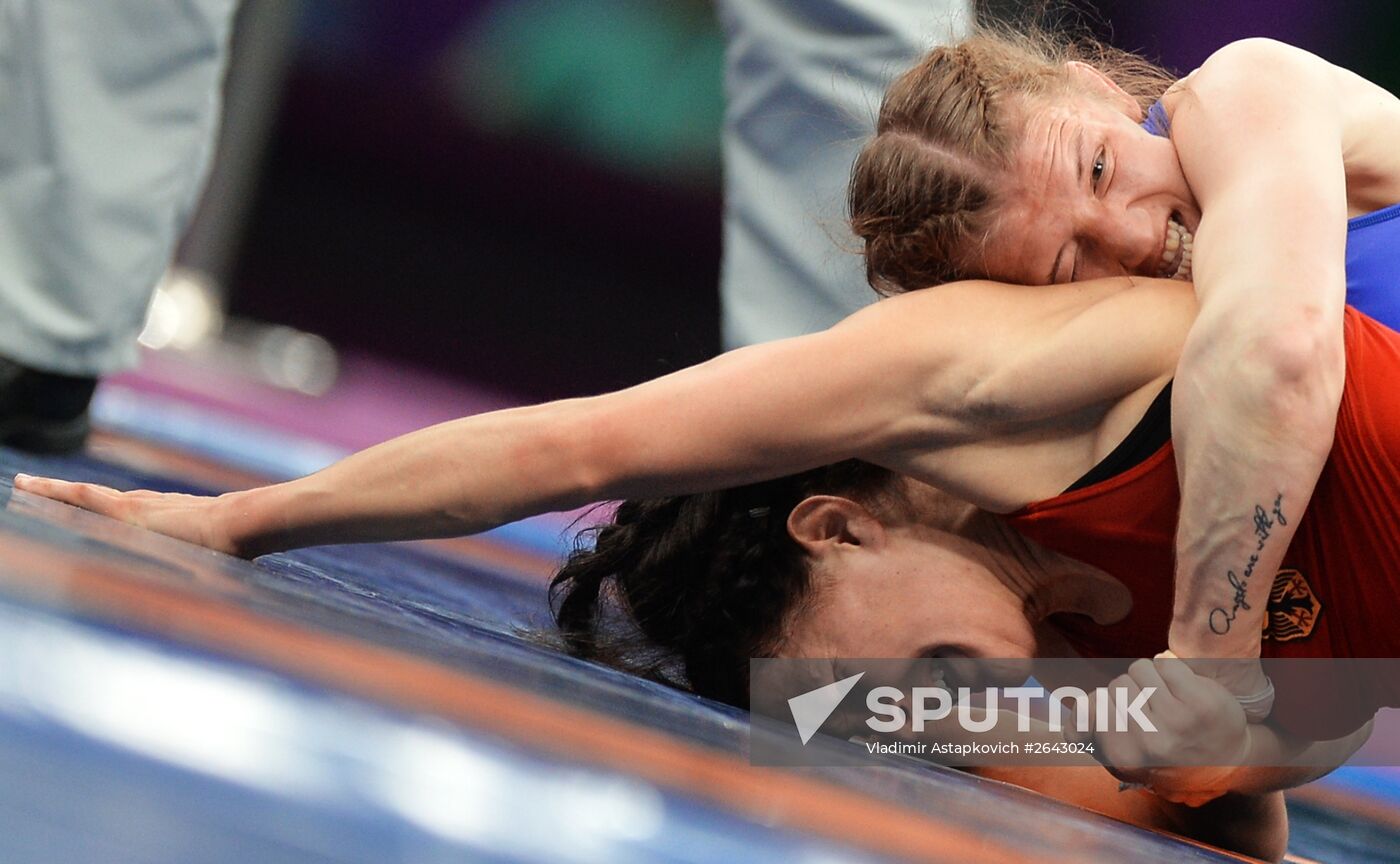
pixel 1079 154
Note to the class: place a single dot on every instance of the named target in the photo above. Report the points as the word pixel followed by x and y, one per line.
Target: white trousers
pixel 803 81
pixel 108 113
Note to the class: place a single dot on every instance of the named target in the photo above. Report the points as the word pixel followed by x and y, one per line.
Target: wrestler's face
pixel 911 592
pixel 1090 194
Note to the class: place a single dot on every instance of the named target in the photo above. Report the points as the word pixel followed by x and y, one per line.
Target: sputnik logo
pixel 811 709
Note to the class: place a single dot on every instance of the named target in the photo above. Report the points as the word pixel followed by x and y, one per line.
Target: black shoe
pixel 43 412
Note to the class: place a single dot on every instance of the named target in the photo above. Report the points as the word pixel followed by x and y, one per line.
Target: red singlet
pixel 1337 593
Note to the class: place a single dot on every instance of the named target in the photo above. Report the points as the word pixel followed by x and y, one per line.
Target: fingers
pixel 1200 686
pixel 59 490
pixel 1123 692
pixel 1163 707
pixel 89 496
pixel 1178 677
pixel 184 517
pixel 1145 673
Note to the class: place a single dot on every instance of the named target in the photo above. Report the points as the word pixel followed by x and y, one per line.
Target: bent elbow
pixel 1283 372
pixel 1303 365
pixel 1306 355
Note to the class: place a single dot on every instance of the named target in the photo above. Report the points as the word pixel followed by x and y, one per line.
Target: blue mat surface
pixel 117 748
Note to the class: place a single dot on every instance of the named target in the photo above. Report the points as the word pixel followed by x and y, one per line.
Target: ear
pixel 822 523
pixel 1097 82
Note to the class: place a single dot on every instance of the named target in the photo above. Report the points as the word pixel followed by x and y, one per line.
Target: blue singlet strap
pixel 1156 121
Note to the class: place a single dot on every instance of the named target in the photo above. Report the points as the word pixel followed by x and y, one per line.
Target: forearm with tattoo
pixel 1220 619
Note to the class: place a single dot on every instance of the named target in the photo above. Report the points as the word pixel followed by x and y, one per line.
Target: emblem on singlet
pixel 1293 608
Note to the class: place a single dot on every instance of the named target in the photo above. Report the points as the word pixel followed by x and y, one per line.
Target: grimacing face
pixel 1090 194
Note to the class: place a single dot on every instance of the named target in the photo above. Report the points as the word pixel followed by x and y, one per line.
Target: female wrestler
pixel 1011 157
pixel 852 560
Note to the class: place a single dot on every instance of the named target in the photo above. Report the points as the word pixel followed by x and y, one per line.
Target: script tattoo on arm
pixel 1264 522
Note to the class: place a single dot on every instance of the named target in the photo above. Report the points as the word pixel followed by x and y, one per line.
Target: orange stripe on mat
pixel 113 590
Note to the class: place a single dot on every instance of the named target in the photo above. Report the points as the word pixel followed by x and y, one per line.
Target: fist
pixel 1195 737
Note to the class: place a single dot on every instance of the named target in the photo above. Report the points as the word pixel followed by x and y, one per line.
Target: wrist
pixel 1190 642
pixel 238 523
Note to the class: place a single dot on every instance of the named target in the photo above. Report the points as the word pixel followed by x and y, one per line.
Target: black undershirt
pixel 1147 437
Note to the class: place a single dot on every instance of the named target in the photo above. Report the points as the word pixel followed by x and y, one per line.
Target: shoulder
pixel 1259 62
pixel 1256 109
pixel 1245 73
pixel 1257 50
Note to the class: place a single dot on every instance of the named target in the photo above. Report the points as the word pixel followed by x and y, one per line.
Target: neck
pixel 1046 581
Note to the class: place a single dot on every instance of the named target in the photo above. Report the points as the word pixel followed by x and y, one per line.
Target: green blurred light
pixel 635 83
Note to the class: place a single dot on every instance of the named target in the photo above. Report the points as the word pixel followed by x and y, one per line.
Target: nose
pixel 1118 241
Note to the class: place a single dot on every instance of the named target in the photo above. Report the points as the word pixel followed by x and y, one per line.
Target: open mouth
pixel 1176 250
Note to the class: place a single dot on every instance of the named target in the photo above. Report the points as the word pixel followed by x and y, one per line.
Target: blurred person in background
pixel 803 79
pixel 121 103
pixel 107 121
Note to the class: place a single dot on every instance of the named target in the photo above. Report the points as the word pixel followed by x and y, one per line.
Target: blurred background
pixel 526 193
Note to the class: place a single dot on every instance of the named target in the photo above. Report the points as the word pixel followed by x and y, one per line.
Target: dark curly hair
pixel 684 590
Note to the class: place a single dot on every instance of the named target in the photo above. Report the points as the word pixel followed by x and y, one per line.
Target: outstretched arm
pixel 876 381
pixel 1259 134
pixel 927 384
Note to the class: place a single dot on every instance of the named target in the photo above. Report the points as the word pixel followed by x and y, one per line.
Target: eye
pixel 942 652
pixel 1097 171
